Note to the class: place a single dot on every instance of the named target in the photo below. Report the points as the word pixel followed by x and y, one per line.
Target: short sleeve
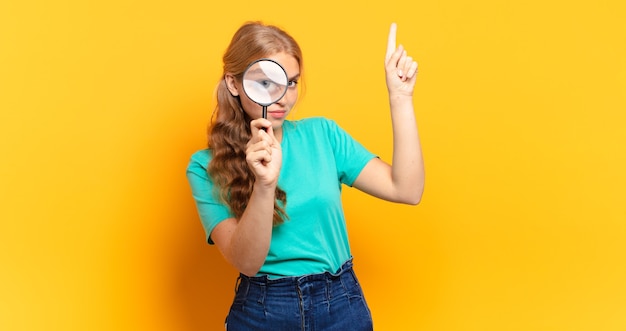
pixel 350 155
pixel 210 209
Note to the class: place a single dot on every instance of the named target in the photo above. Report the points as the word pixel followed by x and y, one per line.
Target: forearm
pixel 407 169
pixel 251 238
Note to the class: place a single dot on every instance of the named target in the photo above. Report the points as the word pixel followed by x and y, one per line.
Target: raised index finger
pixel 391 41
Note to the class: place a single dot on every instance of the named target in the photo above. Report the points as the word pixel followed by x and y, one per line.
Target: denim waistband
pixel 291 280
pixel 321 301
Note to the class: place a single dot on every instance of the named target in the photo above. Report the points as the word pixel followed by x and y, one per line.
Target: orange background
pixel 522 113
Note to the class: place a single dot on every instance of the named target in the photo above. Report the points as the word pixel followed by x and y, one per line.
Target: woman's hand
pixel 263 153
pixel 400 69
pixel 403 180
pixel 244 242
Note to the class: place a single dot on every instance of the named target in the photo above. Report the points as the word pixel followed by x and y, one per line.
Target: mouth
pixel 277 113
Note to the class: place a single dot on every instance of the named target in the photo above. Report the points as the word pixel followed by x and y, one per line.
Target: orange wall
pixel 522 112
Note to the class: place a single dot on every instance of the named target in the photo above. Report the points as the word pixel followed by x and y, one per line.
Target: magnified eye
pixel 269 85
pixel 265 82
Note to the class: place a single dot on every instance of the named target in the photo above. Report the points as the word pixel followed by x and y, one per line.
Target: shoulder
pixel 317 120
pixel 313 123
pixel 200 159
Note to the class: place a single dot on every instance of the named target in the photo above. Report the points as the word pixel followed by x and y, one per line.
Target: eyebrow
pixel 295 77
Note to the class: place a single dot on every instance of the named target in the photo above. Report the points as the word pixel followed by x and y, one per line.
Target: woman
pixel 268 191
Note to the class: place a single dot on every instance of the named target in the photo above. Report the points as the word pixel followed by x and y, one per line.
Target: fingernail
pixel 400 73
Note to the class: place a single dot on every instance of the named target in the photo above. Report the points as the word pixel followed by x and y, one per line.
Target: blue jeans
pixel 313 302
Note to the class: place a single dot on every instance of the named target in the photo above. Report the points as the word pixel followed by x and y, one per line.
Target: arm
pixel 245 242
pixel 403 181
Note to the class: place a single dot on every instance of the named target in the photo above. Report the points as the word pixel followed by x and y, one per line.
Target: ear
pixel 230 84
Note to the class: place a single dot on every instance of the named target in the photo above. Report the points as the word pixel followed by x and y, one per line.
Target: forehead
pixel 291 65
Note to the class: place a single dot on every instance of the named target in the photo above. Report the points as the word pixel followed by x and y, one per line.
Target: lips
pixel 277 113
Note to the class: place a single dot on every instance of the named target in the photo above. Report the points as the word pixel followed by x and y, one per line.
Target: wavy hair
pixel 229 131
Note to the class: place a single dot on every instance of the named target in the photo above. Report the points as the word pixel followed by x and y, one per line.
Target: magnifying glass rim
pixel 244 75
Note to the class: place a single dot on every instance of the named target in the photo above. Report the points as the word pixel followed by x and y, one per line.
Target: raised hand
pixel 400 69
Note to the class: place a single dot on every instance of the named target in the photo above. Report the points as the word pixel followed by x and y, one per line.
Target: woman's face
pixel 276 112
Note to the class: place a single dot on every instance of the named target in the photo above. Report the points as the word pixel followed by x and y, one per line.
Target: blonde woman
pixel 268 191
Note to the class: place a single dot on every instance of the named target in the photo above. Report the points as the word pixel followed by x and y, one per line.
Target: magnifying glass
pixel 265 82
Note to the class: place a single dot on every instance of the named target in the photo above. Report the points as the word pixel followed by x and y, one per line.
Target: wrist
pixel 400 99
pixel 262 187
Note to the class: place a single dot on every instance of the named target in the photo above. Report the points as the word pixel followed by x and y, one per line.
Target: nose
pixel 284 99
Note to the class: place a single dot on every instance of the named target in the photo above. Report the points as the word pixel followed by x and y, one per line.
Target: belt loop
pixel 263 290
pixel 348 265
pixel 244 285
pixel 237 283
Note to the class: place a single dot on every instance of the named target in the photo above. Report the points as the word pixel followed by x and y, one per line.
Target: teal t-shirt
pixel 318 157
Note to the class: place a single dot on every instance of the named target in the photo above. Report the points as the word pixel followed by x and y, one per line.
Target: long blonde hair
pixel 229 131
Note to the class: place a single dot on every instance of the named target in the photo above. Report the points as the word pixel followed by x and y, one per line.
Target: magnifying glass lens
pixel 265 82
